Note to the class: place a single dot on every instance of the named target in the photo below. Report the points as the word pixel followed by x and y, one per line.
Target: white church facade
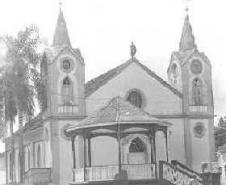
pixel 119 124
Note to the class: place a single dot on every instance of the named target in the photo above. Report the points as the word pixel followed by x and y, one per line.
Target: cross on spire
pixel 60 4
pixel 187 6
pixel 187 10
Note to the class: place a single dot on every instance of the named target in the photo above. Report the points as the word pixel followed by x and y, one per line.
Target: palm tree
pixel 21 80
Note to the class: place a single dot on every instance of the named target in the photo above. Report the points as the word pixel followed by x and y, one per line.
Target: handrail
pixel 183 167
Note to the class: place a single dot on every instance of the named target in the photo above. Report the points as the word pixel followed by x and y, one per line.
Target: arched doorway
pixel 137 152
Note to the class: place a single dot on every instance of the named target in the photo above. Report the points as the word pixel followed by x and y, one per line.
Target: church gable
pixel 94 84
pixel 158 97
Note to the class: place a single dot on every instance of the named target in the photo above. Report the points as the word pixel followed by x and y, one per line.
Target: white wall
pixel 200 146
pixel 47 145
pixel 176 143
pixel 64 147
pixel 104 151
pixel 160 142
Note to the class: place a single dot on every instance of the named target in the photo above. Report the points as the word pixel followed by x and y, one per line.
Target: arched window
pixel 11 166
pixel 174 70
pixel 135 98
pixel 28 159
pixel 67 91
pixel 137 145
pixel 197 95
pixel 39 157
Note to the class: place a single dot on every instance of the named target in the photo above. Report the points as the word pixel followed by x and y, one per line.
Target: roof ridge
pixel 161 80
pixel 94 84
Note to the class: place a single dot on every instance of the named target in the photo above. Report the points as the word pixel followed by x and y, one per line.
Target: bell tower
pixel 190 72
pixel 65 74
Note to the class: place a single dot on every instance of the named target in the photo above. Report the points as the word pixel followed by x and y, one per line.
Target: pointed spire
pixel 187 41
pixel 61 37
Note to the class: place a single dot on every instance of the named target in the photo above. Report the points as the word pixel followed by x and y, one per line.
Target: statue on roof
pixel 133 50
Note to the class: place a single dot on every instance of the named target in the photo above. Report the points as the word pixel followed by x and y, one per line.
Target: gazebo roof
pixel 117 111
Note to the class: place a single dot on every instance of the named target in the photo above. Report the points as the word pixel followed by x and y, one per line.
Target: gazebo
pixel 119 141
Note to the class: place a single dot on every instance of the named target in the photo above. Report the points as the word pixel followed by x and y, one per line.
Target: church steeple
pixel 187 41
pixel 61 37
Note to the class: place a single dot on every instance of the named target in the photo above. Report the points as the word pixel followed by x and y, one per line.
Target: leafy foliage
pixel 222 122
pixel 20 75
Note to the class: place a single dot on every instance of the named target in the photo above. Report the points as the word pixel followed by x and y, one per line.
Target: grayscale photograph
pixel 112 92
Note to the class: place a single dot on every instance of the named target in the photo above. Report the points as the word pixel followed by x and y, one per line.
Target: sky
pixel 104 29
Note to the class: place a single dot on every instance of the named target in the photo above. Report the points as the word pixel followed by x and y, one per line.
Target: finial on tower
pixel 60 4
pixel 187 10
pixel 187 6
pixel 133 50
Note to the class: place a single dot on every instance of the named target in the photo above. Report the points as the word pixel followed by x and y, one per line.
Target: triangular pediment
pixel 94 84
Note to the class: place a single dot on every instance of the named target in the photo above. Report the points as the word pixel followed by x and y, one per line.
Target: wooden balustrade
pixel 78 174
pixel 101 173
pixel 67 108
pixel 136 171
pixel 106 173
pixel 201 108
pixel 38 175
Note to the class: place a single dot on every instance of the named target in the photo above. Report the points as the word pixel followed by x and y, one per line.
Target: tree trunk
pixel 21 148
pixel 12 158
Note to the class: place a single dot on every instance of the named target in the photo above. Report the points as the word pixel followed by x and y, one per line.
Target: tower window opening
pixel 29 159
pixel 67 91
pixel 66 64
pixel 39 157
pixel 174 70
pixel 197 94
pixel 11 166
pixel 66 81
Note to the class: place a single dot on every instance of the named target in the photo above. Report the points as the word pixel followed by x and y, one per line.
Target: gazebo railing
pixel 140 171
pixel 107 173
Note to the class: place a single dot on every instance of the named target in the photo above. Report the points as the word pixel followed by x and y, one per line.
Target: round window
pixel 199 130
pixel 66 65
pixel 135 98
pixel 196 66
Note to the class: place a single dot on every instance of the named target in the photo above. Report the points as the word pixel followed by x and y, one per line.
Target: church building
pixel 126 124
